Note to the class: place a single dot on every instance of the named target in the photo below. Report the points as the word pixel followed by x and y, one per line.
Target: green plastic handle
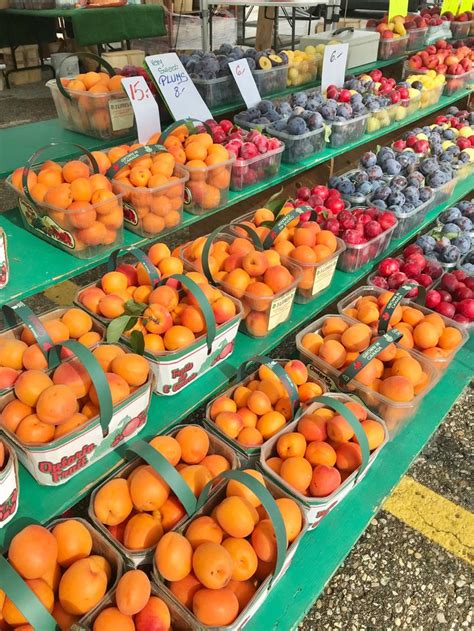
pixel 206 250
pixel 131 156
pixel 253 236
pixel 280 372
pixel 269 505
pixel 31 162
pixel 25 599
pixel 97 375
pixel 141 257
pixel 282 222
pixel 14 310
pixel 100 60
pixel 402 291
pixel 353 421
pixel 166 470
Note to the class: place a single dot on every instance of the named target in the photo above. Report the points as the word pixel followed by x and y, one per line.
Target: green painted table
pixel 41 503
pixel 26 279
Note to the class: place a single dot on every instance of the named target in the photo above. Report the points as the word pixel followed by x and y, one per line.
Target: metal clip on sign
pixel 97 375
pixel 402 291
pixel 269 505
pixel 13 310
pixel 280 372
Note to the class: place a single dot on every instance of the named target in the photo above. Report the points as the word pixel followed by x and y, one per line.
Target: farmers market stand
pixel 326 546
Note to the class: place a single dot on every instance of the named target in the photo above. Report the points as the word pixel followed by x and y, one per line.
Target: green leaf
pixel 275 201
pixel 137 342
pixel 134 308
pixel 117 327
pixel 132 320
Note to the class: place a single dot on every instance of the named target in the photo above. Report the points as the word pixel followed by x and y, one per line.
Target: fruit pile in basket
pixel 94 83
pixel 397 26
pixel 412 265
pixel 453 297
pixel 360 225
pixel 304 64
pixel 443 58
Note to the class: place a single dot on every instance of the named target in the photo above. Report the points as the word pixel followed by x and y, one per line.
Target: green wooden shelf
pixel 42 503
pixel 56 266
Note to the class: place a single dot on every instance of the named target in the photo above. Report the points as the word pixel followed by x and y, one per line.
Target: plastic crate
pixel 299 148
pixel 355 256
pixel 246 173
pixel 302 72
pixel 458 82
pixel 347 132
pixel 395 47
pixel 208 188
pixel 271 81
pixel 416 38
pixel 460 30
pixel 218 92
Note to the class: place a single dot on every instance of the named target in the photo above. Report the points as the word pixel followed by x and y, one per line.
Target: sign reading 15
pixel 137 93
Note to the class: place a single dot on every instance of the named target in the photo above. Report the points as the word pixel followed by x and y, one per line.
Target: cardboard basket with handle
pixel 9 482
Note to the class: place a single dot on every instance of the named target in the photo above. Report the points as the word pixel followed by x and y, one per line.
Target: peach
pixel 257 323
pixel 74 541
pixel 308 391
pixel 259 403
pixel 339 430
pixel 291 444
pixel 32 430
pixel 324 480
pixel 56 405
pixel 224 309
pixel 165 296
pixel 319 452
pixel 173 556
pixel 357 409
pixel 296 471
pixel 236 516
pixel 241 246
pixel 237 282
pixel 154 615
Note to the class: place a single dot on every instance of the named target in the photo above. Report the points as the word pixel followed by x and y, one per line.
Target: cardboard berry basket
pixel 249 454
pixel 35 324
pixel 55 462
pixel 100 114
pixel 394 413
pixel 316 276
pixel 27 602
pixel 317 508
pixel 147 454
pixel 357 255
pixel 150 211
pixel 9 482
pixel 399 296
pixel 82 235
pixel 267 496
pixel 260 314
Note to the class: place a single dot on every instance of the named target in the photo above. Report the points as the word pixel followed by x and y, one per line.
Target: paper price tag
pixel 245 82
pixel 178 90
pixel 334 65
pixel 450 5
pixel 466 5
pixel 397 7
pixel 145 108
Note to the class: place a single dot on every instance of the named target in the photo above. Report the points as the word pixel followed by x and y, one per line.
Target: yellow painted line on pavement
pixel 435 517
pixel 62 294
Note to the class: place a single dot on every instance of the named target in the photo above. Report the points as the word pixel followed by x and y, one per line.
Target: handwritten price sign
pixel 178 91
pixel 245 82
pixel 334 65
pixel 145 108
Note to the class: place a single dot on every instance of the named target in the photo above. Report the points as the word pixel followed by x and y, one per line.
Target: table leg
pixel 265 23
pixel 276 13
pixel 293 27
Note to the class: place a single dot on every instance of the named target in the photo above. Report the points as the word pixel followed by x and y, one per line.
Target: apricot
pixel 334 324
pixel 319 452
pixel 106 353
pixel 13 413
pixel 82 586
pixel 8 376
pixel 435 320
pixel 259 403
pixel 131 367
pixel 33 552
pixel 62 617
pixel 222 404
pixel 308 391
pixel 244 591
pixel 374 432
pixel 133 592
pixel 11 353
pixel 357 409
pixel 142 531
pixel 278 278
pixel 292 517
pixel 215 607
pixel 74 541
pixel 236 516
pixel 216 464
pixel 325 480
pixel 185 589
pixel 56 404
pixel 339 430
pixel 173 556
pixel 264 541
pixel 312 342
pixel 250 437
pixel 53 576
pixel 333 352
pixel 171 512
pixel 204 530
pixel 31 430
pixel 154 615
pixel 450 338
pixel 30 385
pixel 112 618
pixel 425 335
pixel 196 477
pixel 147 488
pixel 230 423
pixel 42 591
pixel 313 427
pixel 407 367
pixel 194 444
pixel 119 389
pixel 91 297
pixel 397 389
pixel 275 464
pixel 239 489
pixel 244 558
pixel 296 471
pixel 212 565
pixel 356 337
pixel 168 447
pixel 291 444
pixel 74 376
pixel 349 457
pixel 112 502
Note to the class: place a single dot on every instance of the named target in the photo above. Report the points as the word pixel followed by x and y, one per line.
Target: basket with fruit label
pixel 9 483
pixel 63 420
pixel 137 504
pixel 254 527
pixel 71 206
pixel 263 281
pixel 316 472
pixel 92 103
pixel 358 363
pixel 56 575
pixel 258 405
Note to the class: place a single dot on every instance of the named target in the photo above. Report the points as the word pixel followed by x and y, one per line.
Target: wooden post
pixel 265 27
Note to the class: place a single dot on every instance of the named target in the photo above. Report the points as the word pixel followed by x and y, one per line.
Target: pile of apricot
pixel 48 406
pixel 394 373
pixel 427 333
pixel 134 608
pixel 61 568
pixel 149 184
pixel 3 455
pixel 305 243
pixel 246 273
pixel 207 164
pixel 137 510
pixel 24 353
pixel 216 566
pixel 78 200
pixel 260 406
pixel 323 450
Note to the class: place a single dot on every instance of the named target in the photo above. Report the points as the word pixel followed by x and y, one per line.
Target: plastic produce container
pixel 412 104
pixel 396 47
pixel 208 188
pixel 316 508
pixel 241 122
pixel 355 256
pixel 346 132
pixel 152 211
pixel 246 173
pixel 363 44
pixel 350 301
pixel 299 148
pixel 218 92
pixel 458 82
pixel 370 277
pixel 308 69
pixel 243 618
pixel 460 30
pixel 412 219
pixel 416 38
pixel 145 555
pixel 394 413
pixel 443 192
pixel 261 314
pixel 9 484
pixel 271 81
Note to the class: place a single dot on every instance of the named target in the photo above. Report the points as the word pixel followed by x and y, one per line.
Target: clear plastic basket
pixel 460 30
pixel 355 256
pixel 246 173
pixel 412 219
pixel 207 189
pixel 271 81
pixel 302 72
pixel 299 148
pixel 395 47
pixel 347 132
pixel 416 38
pixel 458 82
pixel 218 92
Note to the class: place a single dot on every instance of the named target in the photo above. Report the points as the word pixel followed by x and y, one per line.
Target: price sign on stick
pixel 334 65
pixel 450 5
pixel 397 7
pixel 176 87
pixel 466 5
pixel 245 82
pixel 145 108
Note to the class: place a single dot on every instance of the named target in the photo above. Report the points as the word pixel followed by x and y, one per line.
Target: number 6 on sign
pixel 145 108
pixel 334 65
